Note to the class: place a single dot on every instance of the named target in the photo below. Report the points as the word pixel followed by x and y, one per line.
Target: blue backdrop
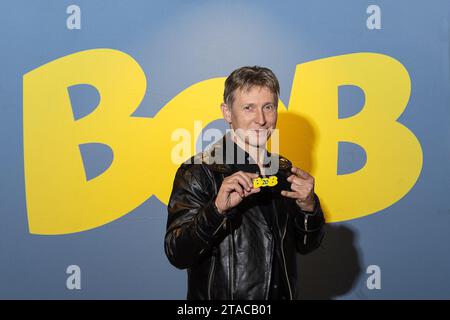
pixel 179 43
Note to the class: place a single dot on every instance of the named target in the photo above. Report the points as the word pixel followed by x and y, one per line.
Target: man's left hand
pixel 302 186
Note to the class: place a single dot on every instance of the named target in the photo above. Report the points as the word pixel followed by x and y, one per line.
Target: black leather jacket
pixel 231 256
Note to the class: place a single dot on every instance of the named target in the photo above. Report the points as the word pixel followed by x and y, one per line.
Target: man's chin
pixel 254 139
pixel 256 142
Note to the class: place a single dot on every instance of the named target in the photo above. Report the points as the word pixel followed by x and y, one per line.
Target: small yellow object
pixel 265 182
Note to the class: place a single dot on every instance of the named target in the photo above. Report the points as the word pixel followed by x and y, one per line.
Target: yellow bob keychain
pixel 265 182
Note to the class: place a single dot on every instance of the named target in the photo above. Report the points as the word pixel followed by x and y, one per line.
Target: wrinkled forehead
pixel 255 93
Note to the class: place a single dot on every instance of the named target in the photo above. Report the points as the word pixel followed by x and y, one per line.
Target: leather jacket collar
pixel 226 156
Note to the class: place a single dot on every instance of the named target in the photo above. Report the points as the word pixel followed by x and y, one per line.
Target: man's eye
pixel 247 108
pixel 269 107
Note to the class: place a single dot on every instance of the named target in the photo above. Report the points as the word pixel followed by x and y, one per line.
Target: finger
pixel 252 175
pixel 232 185
pixel 247 178
pixel 289 194
pixel 242 181
pixel 294 179
pixel 303 184
pixel 302 190
pixel 235 186
pixel 253 191
pixel 300 173
pixel 296 187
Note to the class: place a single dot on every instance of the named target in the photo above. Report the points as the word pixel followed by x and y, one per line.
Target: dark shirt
pixel 263 200
pixel 278 289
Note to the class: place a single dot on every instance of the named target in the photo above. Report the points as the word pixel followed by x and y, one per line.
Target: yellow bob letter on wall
pixel 60 200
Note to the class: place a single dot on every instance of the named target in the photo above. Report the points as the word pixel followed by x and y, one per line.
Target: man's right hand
pixel 234 189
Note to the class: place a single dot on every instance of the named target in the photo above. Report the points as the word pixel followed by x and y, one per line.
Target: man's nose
pixel 260 118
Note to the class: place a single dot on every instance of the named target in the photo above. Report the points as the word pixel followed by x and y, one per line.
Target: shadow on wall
pixel 297 140
pixel 333 269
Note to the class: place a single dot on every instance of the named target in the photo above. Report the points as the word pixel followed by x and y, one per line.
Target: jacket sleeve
pixel 193 219
pixel 309 227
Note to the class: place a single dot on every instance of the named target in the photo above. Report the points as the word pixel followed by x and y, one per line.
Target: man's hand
pixel 302 185
pixel 234 189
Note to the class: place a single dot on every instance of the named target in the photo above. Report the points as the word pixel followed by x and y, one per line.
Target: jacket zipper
pixel 306 229
pixel 222 225
pixel 211 273
pixel 284 263
pixel 282 250
pixel 231 262
pixel 272 245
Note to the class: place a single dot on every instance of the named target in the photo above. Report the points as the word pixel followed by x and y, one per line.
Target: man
pixel 237 213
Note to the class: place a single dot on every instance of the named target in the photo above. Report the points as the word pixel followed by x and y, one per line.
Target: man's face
pixel 253 115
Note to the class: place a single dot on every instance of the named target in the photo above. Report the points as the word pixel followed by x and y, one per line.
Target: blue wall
pixel 179 43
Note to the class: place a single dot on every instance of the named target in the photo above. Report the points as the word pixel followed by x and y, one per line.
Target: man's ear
pixel 226 112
